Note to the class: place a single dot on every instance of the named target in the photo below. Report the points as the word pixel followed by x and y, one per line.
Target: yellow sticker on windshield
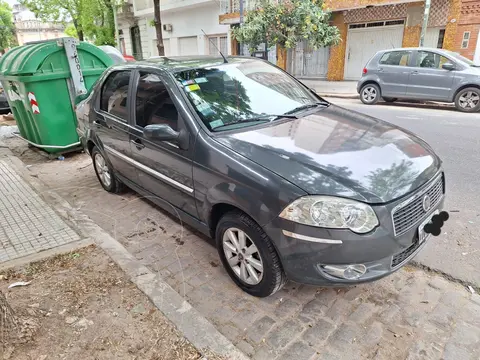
pixel 193 87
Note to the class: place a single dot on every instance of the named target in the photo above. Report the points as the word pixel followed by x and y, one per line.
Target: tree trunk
pixel 79 29
pixel 158 27
pixel 8 320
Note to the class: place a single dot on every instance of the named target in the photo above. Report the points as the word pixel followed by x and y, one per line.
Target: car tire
pixel 370 94
pixel 389 100
pixel 468 100
pixel 272 277
pixel 105 173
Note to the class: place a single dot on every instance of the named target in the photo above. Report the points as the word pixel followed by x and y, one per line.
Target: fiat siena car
pixel 289 185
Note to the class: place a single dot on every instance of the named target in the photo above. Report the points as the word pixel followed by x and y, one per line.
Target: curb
pixel 196 328
pixel 339 96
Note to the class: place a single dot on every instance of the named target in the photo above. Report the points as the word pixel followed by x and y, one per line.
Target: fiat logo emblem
pixel 426 203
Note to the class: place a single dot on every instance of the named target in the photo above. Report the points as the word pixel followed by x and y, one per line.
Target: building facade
pixel 190 27
pixel 367 26
pixel 29 29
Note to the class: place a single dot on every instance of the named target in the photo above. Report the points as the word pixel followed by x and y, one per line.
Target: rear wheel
pixel 468 100
pixel 370 94
pixel 248 255
pixel 105 173
pixel 389 100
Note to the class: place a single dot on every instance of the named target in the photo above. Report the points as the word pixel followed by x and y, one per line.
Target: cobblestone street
pixel 409 315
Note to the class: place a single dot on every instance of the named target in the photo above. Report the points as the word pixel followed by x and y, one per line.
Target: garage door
pixel 188 45
pixel 365 39
pixel 304 61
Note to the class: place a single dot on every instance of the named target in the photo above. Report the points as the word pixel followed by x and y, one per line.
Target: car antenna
pixel 225 61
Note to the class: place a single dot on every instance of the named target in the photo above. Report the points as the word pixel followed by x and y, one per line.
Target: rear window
pixel 396 58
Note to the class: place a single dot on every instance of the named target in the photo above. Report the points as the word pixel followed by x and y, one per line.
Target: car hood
pixel 340 152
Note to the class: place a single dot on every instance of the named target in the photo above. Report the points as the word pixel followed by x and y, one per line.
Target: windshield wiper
pixel 260 117
pixel 307 106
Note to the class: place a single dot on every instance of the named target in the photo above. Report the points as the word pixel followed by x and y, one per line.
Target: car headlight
pixel 331 212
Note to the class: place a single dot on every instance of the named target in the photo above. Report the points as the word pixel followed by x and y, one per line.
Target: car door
pixel 164 168
pixel 393 72
pixel 428 80
pixel 110 123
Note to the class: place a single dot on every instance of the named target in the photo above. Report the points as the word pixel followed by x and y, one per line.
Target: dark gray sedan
pixel 421 74
pixel 4 106
pixel 289 185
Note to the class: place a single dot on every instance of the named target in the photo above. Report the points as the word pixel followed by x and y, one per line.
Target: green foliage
pixel 7 28
pixel 90 18
pixel 287 23
pixel 71 31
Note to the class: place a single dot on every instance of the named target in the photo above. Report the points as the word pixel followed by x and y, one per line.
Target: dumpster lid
pixel 31 58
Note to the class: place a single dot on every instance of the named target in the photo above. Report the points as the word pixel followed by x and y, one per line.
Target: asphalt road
pixel 455 137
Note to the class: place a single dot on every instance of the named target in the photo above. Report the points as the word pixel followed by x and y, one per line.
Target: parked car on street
pixel 290 185
pixel 4 107
pixel 116 55
pixel 421 74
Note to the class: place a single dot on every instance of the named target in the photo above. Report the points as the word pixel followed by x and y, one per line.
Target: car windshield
pixel 463 58
pixel 243 93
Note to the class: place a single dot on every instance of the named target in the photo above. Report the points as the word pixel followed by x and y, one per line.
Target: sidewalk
pixel 340 89
pixel 408 315
pixel 35 223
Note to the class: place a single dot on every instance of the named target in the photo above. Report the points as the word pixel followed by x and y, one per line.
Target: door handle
pixel 138 144
pixel 414 72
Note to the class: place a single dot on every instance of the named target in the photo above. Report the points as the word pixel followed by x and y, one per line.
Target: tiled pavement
pixel 409 315
pixel 27 225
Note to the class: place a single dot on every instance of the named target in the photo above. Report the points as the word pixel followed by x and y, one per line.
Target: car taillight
pixel 364 71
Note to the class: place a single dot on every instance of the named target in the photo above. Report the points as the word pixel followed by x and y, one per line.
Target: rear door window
pixel 396 58
pixel 114 94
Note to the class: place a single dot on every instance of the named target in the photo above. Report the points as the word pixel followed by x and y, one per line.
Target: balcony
pixel 145 7
pixel 230 10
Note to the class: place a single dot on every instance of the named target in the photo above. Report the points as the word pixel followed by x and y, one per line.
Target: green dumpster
pixel 43 82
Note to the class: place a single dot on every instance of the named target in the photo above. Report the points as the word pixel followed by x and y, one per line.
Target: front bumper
pixel 380 251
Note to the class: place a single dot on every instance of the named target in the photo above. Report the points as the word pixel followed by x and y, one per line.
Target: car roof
pixel 416 48
pixel 182 63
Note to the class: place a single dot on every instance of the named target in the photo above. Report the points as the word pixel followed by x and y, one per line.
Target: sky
pixel 11 2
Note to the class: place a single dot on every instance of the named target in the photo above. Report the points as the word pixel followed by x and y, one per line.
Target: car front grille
pixel 401 257
pixel 407 214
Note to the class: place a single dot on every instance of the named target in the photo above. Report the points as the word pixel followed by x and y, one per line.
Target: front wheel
pixel 468 100
pixel 248 255
pixel 370 94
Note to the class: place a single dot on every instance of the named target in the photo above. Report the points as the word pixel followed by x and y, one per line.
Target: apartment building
pixel 185 23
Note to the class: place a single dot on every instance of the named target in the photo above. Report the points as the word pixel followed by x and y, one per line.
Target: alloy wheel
pixel 242 256
pixel 102 170
pixel 469 100
pixel 369 94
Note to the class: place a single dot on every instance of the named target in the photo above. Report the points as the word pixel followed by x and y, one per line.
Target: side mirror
pixel 162 132
pixel 448 66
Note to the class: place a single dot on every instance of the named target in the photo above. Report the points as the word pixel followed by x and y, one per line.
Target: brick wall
pixel 470 51
pixel 352 4
pixel 336 62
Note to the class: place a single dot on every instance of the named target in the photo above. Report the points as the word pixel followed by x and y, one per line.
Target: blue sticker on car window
pixel 201 80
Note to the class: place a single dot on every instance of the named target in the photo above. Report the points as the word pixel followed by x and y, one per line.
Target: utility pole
pixel 241 23
pixel 425 22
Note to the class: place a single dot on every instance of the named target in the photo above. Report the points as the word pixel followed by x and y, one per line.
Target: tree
pixel 287 23
pixel 71 31
pixel 7 28
pixel 158 27
pixel 90 18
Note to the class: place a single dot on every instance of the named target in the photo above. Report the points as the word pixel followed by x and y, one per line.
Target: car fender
pixel 224 177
